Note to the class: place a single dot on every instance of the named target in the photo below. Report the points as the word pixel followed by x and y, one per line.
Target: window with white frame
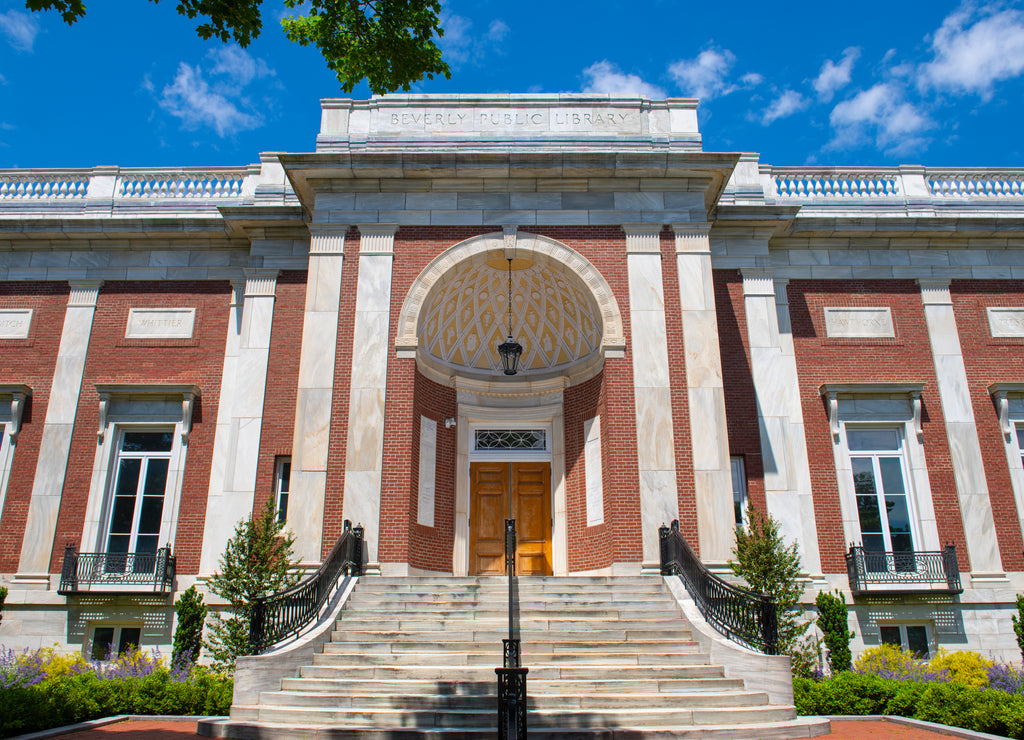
pixel 880 484
pixel 912 637
pixel 739 490
pixel 140 486
pixel 282 473
pixel 112 640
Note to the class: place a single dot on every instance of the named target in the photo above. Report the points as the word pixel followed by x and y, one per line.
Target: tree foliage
pixel 188 635
pixel 763 560
pixel 3 598
pixel 389 43
pixel 1018 624
pixel 833 622
pixel 257 561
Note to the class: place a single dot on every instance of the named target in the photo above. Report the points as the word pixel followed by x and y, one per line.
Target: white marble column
pixel 780 418
pixel 55 446
pixel 709 438
pixel 961 432
pixel 659 498
pixel 364 451
pixel 239 412
pixel 308 484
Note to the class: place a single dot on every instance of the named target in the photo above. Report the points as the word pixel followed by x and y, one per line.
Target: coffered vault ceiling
pixel 466 318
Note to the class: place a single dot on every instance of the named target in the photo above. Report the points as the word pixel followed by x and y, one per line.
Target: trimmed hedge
pixel 954 704
pixel 70 698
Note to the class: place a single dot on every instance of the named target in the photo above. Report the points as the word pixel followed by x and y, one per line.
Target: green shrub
pixel 833 622
pixel 1018 624
pixel 188 634
pixel 3 598
pixel 963 666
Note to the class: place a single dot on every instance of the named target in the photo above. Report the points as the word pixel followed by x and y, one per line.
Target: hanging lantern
pixel 510 350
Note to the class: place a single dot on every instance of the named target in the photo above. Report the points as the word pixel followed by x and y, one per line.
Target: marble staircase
pixel 607 657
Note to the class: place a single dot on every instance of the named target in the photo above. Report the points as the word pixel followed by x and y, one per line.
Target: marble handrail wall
pixel 897 183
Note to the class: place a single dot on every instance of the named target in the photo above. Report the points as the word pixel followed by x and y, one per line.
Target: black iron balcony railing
pixel 279 615
pixel 745 616
pixel 512 697
pixel 880 572
pixel 147 572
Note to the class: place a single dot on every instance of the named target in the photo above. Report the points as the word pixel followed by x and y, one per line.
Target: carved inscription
pixel 1005 321
pixel 842 321
pixel 160 323
pixel 15 323
pixel 469 120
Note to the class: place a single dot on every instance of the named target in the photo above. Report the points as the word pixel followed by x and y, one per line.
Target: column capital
pixel 758 281
pixel 377 238
pixel 84 293
pixel 260 282
pixel 935 291
pixel 642 238
pixel 327 239
pixel 692 238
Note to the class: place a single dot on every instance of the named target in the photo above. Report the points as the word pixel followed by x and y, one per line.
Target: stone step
pixel 714 682
pixel 466 583
pixel 497 635
pixel 526 624
pixel 540 718
pixel 485 673
pixel 490 611
pixel 531 648
pixel 487 702
pixel 494 658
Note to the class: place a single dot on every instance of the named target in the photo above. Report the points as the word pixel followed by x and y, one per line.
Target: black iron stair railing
pixel 877 571
pixel 276 616
pixel 511 676
pixel 745 616
pixel 117 571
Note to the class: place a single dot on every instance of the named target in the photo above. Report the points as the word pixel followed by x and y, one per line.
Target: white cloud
pixel 974 49
pixel 20 29
pixel 238 65
pixel 788 103
pixel 883 113
pixel 460 45
pixel 706 75
pixel 190 98
pixel 833 77
pixel 604 77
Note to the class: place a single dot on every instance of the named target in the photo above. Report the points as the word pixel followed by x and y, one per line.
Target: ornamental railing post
pixel 511 677
pixel 69 569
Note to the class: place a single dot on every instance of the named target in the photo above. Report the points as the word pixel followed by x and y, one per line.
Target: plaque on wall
pixel 858 321
pixel 160 323
pixel 1006 321
pixel 15 323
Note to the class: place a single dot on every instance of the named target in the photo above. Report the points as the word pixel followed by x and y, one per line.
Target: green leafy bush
pixel 3 598
pixel 833 622
pixel 1018 624
pixel 188 635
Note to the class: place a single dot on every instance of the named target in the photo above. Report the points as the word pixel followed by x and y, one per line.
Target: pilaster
pixel 55 446
pixel 659 499
pixel 364 451
pixel 239 412
pixel 315 390
pixel 706 393
pixel 961 432
pixel 780 418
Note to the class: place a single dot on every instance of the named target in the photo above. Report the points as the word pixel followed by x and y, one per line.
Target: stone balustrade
pixel 126 185
pixel 817 184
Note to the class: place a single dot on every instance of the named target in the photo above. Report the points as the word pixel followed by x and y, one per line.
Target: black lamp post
pixel 510 350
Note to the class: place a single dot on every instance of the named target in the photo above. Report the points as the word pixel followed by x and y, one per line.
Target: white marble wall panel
pixel 315 393
pixel 428 472
pixel 706 393
pixel 961 432
pixel 1005 321
pixel 15 323
pixel 593 471
pixel 239 414
pixel 787 478
pixel 364 456
pixel 659 500
pixel 160 323
pixel 847 321
pixel 48 483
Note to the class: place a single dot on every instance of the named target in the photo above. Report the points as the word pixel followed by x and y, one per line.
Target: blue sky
pixel 869 83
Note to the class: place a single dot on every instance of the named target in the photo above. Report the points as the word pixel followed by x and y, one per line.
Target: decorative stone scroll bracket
pixel 832 391
pixel 188 393
pixel 19 395
pixel 1001 392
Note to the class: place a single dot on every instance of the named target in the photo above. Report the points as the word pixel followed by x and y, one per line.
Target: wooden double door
pixel 510 490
